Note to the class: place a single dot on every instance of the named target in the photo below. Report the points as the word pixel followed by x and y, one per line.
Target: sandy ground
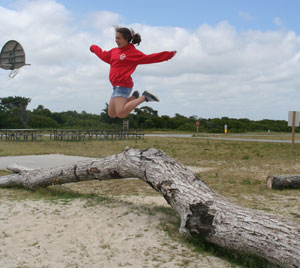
pixel 75 233
pixel 38 234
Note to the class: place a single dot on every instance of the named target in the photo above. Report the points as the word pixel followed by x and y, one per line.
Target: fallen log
pixel 203 212
pixel 284 182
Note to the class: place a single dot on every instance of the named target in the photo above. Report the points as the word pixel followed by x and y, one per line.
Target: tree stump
pixel 203 212
pixel 284 182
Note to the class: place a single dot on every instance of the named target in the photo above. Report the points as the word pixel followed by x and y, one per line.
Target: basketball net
pixel 13 73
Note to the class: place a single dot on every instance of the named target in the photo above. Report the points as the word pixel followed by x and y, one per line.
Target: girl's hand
pixel 92 48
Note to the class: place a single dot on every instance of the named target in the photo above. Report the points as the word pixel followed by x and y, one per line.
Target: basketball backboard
pixel 12 57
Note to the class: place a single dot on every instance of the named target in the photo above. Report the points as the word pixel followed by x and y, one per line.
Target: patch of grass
pixel 105 246
pixel 4 172
pixel 296 215
pixel 166 210
pixel 248 181
pixel 259 155
pixel 4 235
pixel 235 258
pixel 51 193
pixel 54 193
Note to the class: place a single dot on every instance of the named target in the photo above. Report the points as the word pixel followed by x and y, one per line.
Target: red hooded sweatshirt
pixel 123 62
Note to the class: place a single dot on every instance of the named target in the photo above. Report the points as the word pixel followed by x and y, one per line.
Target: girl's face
pixel 121 42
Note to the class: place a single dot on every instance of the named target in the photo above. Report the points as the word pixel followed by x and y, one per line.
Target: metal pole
pixel 293 132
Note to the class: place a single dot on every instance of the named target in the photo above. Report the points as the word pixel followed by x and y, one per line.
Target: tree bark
pixel 203 212
pixel 284 182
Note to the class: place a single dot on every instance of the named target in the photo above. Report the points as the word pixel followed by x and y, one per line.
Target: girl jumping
pixel 123 61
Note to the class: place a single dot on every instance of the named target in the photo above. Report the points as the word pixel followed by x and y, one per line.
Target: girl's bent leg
pixel 131 105
pixel 124 106
pixel 111 109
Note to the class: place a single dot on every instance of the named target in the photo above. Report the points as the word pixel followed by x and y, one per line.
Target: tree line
pixel 14 114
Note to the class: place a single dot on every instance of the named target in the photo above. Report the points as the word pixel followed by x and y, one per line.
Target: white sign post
pixel 294 120
pixel 197 124
pixel 125 124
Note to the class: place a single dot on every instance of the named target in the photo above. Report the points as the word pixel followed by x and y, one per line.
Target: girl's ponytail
pixel 136 38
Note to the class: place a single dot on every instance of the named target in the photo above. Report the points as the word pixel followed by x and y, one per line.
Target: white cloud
pixel 278 21
pixel 216 72
pixel 245 16
pixel 102 20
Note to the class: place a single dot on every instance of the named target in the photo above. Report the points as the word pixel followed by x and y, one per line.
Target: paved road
pixel 243 139
pixel 39 161
pixel 219 138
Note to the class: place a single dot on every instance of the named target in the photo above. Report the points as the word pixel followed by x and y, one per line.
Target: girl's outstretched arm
pixel 155 57
pixel 103 55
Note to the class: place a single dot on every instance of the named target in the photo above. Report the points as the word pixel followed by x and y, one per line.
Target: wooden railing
pixel 69 134
pixel 20 134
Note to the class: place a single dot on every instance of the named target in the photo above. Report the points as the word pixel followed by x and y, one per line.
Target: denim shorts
pixel 121 92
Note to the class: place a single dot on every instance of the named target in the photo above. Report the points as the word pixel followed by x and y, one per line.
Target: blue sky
pixel 239 59
pixel 254 14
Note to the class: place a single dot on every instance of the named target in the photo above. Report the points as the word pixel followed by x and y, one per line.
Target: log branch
pixel 203 212
pixel 284 182
pixel 16 168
